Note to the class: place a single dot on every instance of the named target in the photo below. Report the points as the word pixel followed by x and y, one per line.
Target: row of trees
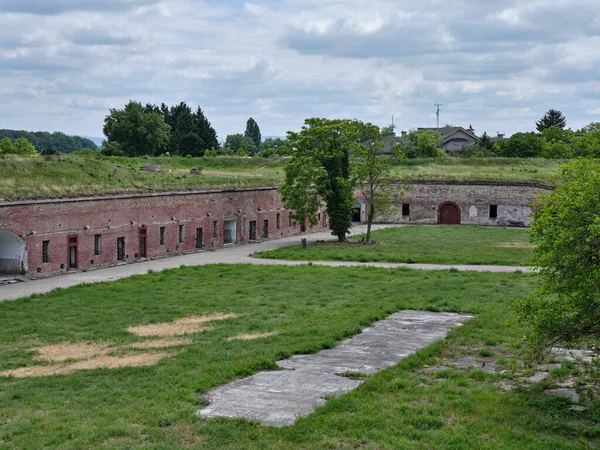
pixel 138 130
pixel 42 140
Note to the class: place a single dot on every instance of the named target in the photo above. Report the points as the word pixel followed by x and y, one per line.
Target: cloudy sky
pixel 498 65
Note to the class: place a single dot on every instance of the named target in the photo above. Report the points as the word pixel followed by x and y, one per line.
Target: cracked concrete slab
pixel 278 397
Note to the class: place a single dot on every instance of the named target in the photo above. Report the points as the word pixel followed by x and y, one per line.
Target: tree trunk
pixel 370 221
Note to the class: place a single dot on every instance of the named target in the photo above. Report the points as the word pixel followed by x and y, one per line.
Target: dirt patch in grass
pixel 179 327
pixel 250 337
pixel 100 362
pixel 66 351
pixel 515 245
pixel 161 343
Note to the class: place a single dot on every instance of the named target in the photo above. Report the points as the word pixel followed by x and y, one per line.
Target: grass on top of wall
pixel 311 308
pixel 79 175
pixel 430 244
pixel 76 176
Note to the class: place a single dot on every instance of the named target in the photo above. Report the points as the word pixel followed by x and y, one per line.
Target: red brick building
pixel 54 236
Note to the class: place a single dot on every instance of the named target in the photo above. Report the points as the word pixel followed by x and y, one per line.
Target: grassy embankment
pixel 422 244
pixel 309 308
pixel 73 175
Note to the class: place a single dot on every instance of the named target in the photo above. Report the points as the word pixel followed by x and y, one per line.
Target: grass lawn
pixel 311 308
pixel 422 244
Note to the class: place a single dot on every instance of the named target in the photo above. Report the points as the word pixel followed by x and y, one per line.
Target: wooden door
pixel 449 214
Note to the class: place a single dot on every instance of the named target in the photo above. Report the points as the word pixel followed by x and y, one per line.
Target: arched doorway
pixel 12 253
pixel 449 214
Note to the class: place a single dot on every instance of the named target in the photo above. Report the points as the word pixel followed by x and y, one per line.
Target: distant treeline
pixel 57 141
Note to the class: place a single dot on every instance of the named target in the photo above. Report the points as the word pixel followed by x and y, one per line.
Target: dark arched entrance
pixel 449 214
pixel 12 253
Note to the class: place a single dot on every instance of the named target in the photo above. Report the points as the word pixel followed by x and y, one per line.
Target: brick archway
pixel 449 214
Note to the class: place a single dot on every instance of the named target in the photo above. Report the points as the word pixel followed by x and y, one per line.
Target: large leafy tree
pixel 552 118
pixel 520 145
pixel 253 132
pixel 371 167
pixel 566 231
pixel 319 171
pixel 137 131
pixel 423 144
pixel 238 143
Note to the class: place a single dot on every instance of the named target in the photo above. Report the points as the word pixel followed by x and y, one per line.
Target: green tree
pixel 423 144
pixel 136 131
pixel 204 129
pixel 253 132
pixel 24 147
pixel 371 168
pixel 6 146
pixel 586 142
pixel 274 147
pixel 237 143
pixel 557 143
pixel 566 231
pixel 552 118
pixel 520 145
pixel 319 171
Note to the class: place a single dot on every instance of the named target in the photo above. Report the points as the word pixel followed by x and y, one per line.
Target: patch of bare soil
pixel 66 351
pixel 250 337
pixel 100 362
pixel 179 327
pixel 161 343
pixel 515 245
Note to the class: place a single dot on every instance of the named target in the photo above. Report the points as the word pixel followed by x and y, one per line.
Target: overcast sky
pixel 498 65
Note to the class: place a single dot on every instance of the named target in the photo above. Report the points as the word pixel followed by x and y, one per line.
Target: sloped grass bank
pixel 311 308
pixel 422 244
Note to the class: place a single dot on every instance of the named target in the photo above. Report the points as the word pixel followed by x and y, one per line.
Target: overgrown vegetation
pixel 42 140
pixel 422 244
pixel 154 407
pixel 566 308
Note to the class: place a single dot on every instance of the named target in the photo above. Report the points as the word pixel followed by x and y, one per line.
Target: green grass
pixel 312 308
pixel 422 244
pixel 525 170
pixel 71 176
pixel 82 175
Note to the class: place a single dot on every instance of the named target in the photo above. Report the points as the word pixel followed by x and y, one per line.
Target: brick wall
pixel 122 217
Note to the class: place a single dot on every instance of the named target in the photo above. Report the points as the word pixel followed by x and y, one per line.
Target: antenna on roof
pixel 437 112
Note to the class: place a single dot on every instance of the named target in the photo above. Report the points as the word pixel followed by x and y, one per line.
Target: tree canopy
pixel 19 146
pixel 319 171
pixel 552 118
pixel 566 231
pixel 57 141
pixel 423 144
pixel 253 132
pixel 137 131
pixel 239 144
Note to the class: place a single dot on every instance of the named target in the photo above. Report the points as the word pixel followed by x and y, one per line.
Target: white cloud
pixel 497 65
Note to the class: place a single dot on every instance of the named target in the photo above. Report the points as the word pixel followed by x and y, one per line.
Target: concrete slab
pixel 278 397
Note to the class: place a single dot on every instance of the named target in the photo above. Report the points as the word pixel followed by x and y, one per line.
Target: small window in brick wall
pixel 291 220
pixel 46 251
pixel 162 235
pixel 215 229
pixel 278 221
pixel 405 209
pixel 180 234
pixel 97 244
pixel 493 211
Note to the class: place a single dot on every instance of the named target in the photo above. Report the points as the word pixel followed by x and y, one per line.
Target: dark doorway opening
pixel 72 252
pixel 253 230
pixel 198 237
pixel 143 233
pixel 265 234
pixel 121 249
pixel 449 214
pixel 356 214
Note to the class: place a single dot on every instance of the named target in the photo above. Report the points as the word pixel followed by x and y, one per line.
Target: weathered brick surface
pixel 513 201
pixel 122 216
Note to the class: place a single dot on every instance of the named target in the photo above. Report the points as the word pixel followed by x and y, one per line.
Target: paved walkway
pixel 238 254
